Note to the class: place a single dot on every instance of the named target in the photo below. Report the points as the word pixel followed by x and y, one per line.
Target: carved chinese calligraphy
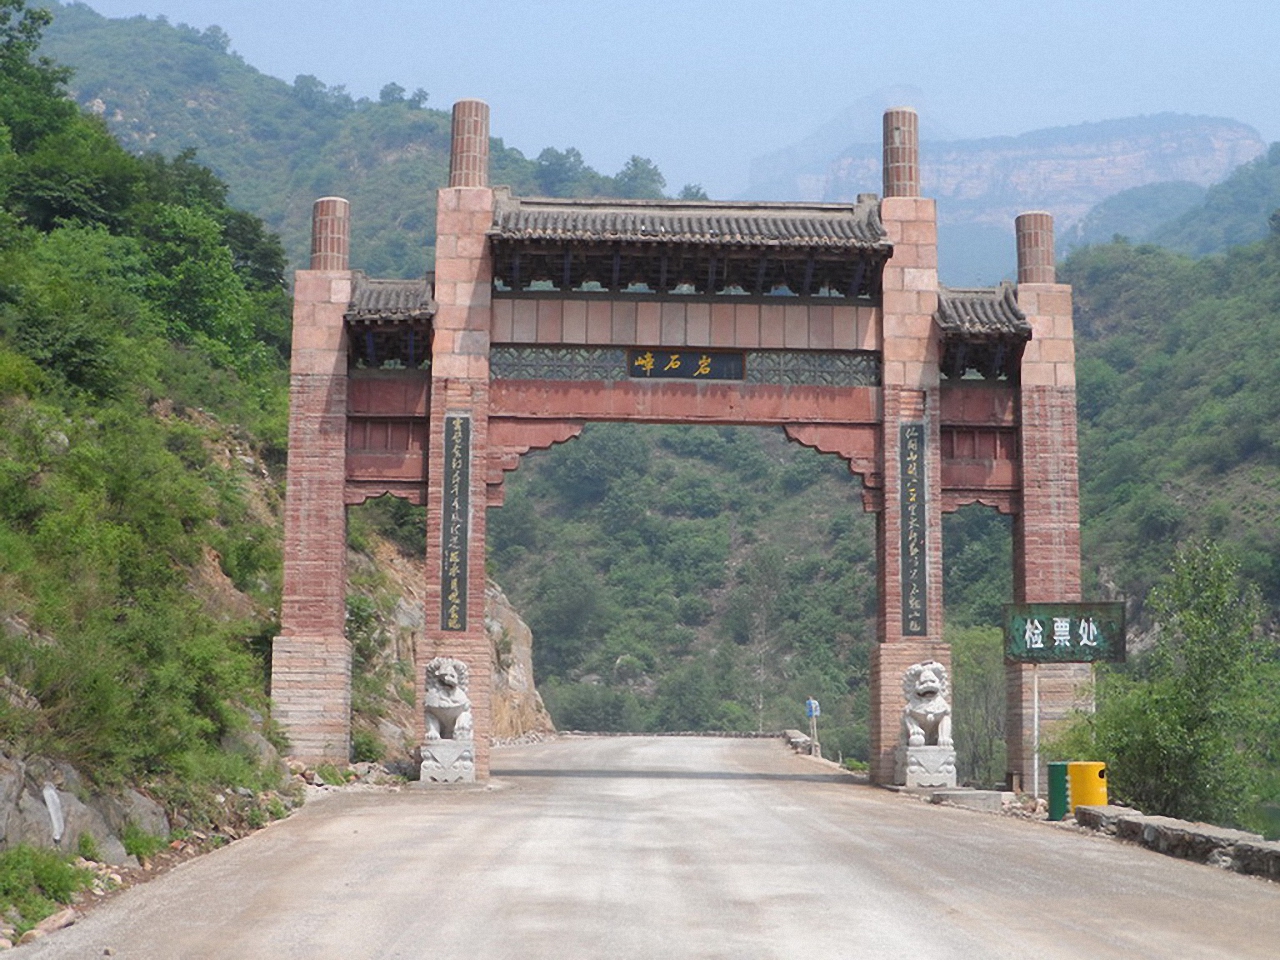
pixel 915 594
pixel 457 515
pixel 692 364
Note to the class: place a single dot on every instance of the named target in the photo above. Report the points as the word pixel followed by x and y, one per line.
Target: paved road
pixel 671 848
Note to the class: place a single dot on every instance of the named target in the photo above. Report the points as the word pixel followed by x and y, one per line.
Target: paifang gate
pixel 543 315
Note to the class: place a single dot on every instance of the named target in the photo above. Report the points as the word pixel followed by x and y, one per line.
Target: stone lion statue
pixel 447 705
pixel 926 719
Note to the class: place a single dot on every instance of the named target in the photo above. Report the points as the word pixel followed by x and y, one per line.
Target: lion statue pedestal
pixel 926 757
pixel 448 761
pixel 921 768
pixel 448 756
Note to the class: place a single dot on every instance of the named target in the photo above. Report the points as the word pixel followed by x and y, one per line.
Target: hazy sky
pixel 703 86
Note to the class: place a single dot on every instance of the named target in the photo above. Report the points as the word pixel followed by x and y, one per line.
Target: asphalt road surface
pixel 647 847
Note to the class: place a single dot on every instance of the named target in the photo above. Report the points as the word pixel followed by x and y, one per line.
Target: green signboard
pixel 1063 632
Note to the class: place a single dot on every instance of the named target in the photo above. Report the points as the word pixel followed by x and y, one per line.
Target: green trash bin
pixel 1058 790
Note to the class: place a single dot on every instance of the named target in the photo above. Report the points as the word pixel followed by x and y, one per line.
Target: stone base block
pixel 448 761
pixel 926 767
pixel 988 801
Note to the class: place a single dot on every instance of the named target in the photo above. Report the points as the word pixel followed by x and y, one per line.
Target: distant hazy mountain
pixel 1134 214
pixel 1237 211
pixel 1185 216
pixel 801 171
pixel 981 185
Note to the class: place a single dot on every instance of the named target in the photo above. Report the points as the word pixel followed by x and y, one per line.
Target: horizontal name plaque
pixel 685 365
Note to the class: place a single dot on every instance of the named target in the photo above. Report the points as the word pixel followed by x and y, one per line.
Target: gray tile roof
pixel 374 299
pixel 780 225
pixel 981 314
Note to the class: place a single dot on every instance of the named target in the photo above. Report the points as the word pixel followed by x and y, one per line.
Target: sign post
pixel 1037 633
pixel 813 710
pixel 1035 727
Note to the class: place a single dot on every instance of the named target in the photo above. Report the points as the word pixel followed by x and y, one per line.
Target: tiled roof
pixel 374 299
pixel 983 314
pixel 830 226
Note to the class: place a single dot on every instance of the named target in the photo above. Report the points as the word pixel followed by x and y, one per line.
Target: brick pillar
pixel 1034 232
pixel 901 153
pixel 910 628
pixel 1046 543
pixel 330 233
pixel 311 659
pixel 469 151
pixel 460 396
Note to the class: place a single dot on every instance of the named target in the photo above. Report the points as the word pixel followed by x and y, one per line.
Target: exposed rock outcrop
pixel 1065 170
pixel 981 185
pixel 517 706
pixel 518 710
pixel 47 804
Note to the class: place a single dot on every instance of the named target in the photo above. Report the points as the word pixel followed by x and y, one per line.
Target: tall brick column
pixel 901 152
pixel 1047 530
pixel 909 527
pixel 311 659
pixel 460 412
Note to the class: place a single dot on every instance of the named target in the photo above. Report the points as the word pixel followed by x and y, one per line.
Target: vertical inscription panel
pixel 457 522
pixel 915 593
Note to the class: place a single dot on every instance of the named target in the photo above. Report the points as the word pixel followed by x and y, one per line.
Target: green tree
pixel 32 99
pixel 566 615
pixel 1183 736
pixel 978 697
pixel 640 179
pixel 602 456
pixel 195 283
pixel 561 174
pixel 77 173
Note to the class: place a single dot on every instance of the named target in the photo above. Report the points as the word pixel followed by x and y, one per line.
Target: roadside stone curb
pixel 1229 849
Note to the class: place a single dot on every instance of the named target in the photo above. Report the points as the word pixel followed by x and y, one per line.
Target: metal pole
pixel 1035 726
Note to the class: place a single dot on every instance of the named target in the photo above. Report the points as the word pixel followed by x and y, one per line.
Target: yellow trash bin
pixel 1086 784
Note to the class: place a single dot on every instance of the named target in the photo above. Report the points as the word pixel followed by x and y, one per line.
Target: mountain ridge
pixel 982 184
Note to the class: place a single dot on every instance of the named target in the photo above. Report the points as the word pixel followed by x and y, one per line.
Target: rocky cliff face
pixel 518 710
pixel 517 706
pixel 1065 171
pixel 981 185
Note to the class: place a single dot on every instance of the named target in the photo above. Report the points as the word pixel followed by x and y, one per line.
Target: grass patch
pixel 137 842
pixel 87 847
pixel 331 774
pixel 366 747
pixel 35 883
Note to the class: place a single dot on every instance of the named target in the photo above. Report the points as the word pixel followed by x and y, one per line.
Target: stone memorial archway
pixel 542 315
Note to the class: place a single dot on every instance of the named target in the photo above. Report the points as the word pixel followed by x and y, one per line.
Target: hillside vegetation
pixel 1233 212
pixel 168 88
pixel 1179 417
pixel 1186 217
pixel 139 313
pixel 691 578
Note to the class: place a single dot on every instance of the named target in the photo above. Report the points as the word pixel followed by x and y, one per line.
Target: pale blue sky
pixel 703 86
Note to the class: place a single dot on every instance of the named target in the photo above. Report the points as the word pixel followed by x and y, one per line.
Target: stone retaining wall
pixel 1235 850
